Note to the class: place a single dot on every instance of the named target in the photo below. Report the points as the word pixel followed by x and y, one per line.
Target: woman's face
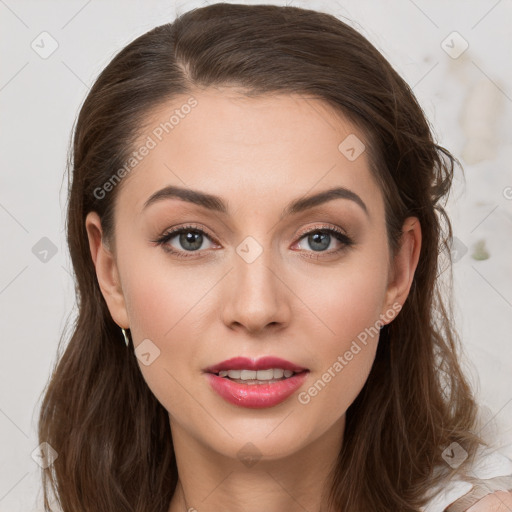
pixel 245 279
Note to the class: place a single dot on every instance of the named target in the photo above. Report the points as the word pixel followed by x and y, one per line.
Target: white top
pixel 488 464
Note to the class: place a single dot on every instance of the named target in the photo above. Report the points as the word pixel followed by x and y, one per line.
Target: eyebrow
pixel 217 204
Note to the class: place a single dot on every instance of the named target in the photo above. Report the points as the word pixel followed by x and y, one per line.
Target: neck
pixel 251 480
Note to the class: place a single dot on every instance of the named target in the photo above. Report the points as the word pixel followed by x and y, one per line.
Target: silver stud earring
pixel 126 340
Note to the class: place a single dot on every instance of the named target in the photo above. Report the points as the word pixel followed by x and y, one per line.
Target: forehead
pixel 266 148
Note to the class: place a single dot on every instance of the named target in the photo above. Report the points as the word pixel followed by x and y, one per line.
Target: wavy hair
pixel 112 436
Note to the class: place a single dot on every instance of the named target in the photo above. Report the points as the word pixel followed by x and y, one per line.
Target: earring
pixel 126 340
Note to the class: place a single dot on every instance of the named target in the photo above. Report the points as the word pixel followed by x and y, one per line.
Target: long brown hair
pixel 112 436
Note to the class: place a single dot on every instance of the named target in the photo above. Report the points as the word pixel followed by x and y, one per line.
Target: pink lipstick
pixel 256 384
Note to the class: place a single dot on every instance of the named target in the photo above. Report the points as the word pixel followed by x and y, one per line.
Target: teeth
pixel 247 374
pixel 273 373
pixel 234 374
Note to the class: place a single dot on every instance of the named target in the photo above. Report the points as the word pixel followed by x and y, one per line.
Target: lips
pixel 263 363
pixel 252 394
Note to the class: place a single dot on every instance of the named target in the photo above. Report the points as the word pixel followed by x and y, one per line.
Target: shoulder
pixel 499 501
pixel 485 486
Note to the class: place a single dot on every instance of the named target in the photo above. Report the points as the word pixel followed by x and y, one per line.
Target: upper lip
pixel 263 363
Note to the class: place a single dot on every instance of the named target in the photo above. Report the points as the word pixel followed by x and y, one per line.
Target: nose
pixel 256 296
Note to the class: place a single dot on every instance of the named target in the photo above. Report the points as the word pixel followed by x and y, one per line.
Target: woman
pixel 255 209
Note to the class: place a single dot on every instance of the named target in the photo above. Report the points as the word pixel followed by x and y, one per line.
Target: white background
pixel 467 99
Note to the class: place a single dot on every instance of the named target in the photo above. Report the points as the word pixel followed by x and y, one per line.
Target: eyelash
pixel 165 237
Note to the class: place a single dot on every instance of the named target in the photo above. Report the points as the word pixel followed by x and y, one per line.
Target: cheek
pixel 348 306
pixel 160 297
pixel 167 304
pixel 160 302
pixel 153 305
pixel 346 300
pixel 344 358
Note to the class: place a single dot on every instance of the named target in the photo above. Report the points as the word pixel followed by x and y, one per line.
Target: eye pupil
pixel 319 238
pixel 191 237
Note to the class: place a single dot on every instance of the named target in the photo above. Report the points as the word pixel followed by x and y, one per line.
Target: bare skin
pixel 292 301
pixel 499 501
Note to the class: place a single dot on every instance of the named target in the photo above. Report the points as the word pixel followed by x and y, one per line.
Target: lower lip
pixel 256 396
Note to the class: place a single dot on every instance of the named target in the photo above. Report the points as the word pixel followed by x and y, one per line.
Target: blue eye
pixel 191 239
pixel 319 239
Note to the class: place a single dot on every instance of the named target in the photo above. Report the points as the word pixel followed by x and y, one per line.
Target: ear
pixel 106 271
pixel 404 264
